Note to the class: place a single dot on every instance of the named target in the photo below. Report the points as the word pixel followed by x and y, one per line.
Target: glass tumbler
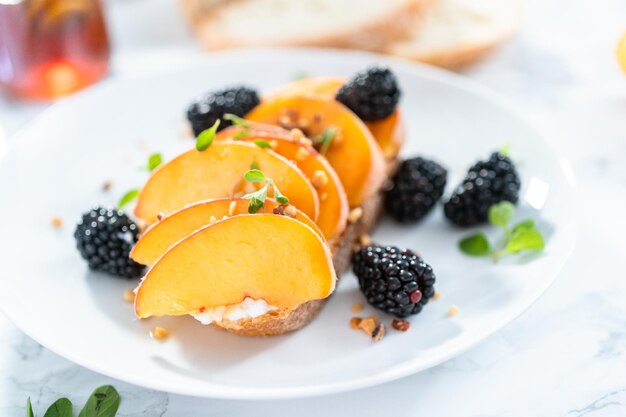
pixel 50 48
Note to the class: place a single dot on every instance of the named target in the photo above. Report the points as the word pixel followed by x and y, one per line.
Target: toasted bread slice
pixel 457 33
pixel 361 24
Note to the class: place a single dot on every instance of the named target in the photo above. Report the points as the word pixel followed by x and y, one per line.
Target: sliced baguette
pixel 457 33
pixel 360 24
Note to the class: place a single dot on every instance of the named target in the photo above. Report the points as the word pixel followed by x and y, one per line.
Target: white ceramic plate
pixel 59 163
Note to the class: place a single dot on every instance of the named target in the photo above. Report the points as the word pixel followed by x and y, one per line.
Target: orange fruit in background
pixel 621 52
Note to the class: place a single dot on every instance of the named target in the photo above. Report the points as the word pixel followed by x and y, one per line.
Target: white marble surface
pixel 565 357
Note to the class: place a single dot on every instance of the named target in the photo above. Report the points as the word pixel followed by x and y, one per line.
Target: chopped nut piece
pixel 232 207
pixel 291 211
pixel 160 216
pixel 323 196
pixel 107 186
pixel 212 219
pixel 390 153
pixel 296 134
pixel 355 214
pixel 378 333
pixel 356 308
pixel 160 333
pixel 319 179
pixel 224 217
pixel 303 123
pixel 354 322
pixel 454 310
pixel 365 240
pixel 284 121
pixel 368 325
pixel 306 142
pixel 302 154
pixel 129 296
pixel 436 295
pixel 401 325
pixel 56 222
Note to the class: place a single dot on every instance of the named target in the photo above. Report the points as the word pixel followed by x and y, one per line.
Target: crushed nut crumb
pixel 302 154
pixel 160 333
pixel 454 310
pixel 56 222
pixel 356 308
pixel 354 322
pixel 291 211
pixel 212 219
pixel 355 214
pixel 401 325
pixel 284 120
pixel 107 186
pixel 319 179
pixel 303 122
pixel 232 207
pixel 306 142
pixel 378 333
pixel 368 325
pixel 296 134
pixel 436 295
pixel 365 240
pixel 129 296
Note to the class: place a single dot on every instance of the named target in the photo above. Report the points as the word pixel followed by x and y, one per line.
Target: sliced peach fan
pixel 261 256
pixel 353 152
pixel 219 172
pixel 333 211
pixel 166 233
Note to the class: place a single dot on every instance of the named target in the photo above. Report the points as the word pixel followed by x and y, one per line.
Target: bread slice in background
pixel 457 33
pixel 359 24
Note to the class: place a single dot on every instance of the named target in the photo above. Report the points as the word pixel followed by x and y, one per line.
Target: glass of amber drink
pixel 51 48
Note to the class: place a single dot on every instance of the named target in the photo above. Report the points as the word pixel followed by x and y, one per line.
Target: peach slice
pixel 162 235
pixel 389 132
pixel 353 153
pixel 218 172
pixel 262 256
pixel 334 206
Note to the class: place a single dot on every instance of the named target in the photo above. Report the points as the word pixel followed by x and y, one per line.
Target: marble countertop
pixel 566 356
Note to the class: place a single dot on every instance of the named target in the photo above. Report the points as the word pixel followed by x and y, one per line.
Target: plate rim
pixel 197 60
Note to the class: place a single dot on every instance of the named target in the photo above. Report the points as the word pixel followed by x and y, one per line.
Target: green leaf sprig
pixel 104 401
pixel 206 137
pixel 154 161
pixel 127 198
pixel 522 236
pixel 324 140
pixel 257 198
pixel 236 120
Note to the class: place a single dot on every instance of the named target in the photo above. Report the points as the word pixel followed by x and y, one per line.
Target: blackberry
pixel 486 183
pixel 393 280
pixel 372 94
pixel 415 188
pixel 104 238
pixel 208 108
